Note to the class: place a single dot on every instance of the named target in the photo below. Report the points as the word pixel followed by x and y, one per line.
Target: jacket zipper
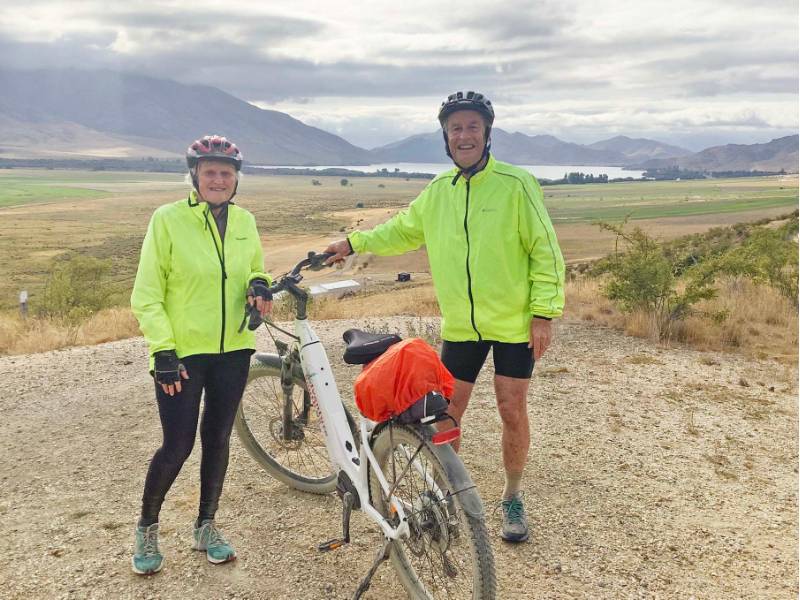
pixel 221 257
pixel 469 275
pixel 224 277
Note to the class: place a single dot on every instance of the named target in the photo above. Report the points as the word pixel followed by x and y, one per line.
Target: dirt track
pixel 653 473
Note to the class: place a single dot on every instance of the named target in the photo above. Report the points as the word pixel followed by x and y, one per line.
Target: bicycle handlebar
pixel 315 261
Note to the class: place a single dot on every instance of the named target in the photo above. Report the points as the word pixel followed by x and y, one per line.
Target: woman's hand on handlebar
pixel 340 249
pixel 258 295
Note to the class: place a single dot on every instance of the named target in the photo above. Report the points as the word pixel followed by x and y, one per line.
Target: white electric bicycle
pixel 402 473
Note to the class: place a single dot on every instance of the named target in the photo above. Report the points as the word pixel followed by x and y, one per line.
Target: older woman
pixel 201 260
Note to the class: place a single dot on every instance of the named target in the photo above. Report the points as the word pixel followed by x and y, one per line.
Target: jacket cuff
pixel 262 276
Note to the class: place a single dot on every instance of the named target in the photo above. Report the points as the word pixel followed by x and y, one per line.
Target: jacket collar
pixel 480 176
pixel 200 207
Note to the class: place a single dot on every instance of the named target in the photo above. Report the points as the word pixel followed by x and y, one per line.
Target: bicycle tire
pixel 448 554
pixel 302 464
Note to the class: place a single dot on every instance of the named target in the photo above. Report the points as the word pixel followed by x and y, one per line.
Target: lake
pixel 540 171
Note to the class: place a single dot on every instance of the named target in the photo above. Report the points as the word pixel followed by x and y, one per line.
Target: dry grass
pixel 761 323
pixel 417 301
pixel 18 336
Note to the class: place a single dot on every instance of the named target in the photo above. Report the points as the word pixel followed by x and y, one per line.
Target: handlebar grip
pixel 317 260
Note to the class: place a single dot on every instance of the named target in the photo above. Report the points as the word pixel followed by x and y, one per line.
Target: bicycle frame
pixel 338 438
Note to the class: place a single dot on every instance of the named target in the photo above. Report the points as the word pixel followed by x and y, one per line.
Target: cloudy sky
pixel 691 72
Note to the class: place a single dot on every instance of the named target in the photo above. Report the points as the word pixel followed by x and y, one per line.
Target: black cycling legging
pixel 223 377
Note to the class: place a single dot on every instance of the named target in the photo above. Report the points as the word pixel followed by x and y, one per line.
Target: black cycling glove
pixel 167 367
pixel 259 289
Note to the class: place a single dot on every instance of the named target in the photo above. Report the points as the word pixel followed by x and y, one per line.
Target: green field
pixel 47 213
pixel 659 199
pixel 21 191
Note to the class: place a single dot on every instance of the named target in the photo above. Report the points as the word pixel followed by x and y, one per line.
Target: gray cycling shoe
pixel 209 539
pixel 146 557
pixel 515 525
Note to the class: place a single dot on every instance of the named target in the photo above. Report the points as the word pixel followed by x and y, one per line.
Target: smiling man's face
pixel 466 132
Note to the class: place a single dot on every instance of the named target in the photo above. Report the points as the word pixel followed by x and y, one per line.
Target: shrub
pixel 344 182
pixel 643 279
pixel 767 256
pixel 76 289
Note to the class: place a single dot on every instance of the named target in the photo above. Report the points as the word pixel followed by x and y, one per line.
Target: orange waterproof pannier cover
pixel 399 377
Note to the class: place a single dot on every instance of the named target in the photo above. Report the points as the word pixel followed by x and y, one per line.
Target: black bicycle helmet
pixel 216 147
pixel 467 101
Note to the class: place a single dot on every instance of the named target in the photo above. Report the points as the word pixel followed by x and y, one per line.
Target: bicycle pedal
pixel 331 545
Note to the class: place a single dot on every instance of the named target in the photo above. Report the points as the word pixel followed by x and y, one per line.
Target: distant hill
pixel 637 153
pixel 512 147
pixel 780 153
pixel 639 148
pixel 74 113
pixel 536 149
pixel 77 114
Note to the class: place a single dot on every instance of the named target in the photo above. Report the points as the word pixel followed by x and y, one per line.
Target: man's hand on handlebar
pixel 340 249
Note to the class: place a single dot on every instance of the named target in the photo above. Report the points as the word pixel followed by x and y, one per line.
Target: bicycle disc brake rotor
pixel 296 437
pixel 429 525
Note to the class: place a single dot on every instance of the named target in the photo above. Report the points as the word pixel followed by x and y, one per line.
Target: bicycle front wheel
pixel 298 456
pixel 447 554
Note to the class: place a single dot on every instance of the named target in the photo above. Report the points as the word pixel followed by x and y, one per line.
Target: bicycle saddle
pixel 362 347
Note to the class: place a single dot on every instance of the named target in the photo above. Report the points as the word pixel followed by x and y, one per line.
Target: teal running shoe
pixel 208 538
pixel 515 525
pixel 146 557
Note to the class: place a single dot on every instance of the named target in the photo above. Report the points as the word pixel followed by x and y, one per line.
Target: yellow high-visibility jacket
pixel 190 288
pixel 493 254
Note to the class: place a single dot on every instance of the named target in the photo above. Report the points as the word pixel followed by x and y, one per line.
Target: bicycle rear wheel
pixel 299 459
pixel 447 554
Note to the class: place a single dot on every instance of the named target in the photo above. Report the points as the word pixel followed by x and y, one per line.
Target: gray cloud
pixel 543 56
pixel 255 26
pixel 516 23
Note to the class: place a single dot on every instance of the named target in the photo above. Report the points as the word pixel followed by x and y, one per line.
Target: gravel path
pixel 653 474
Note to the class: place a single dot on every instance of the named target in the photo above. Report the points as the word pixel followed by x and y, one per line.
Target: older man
pixel 498 274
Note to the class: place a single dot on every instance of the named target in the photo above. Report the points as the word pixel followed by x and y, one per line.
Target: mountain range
pixel 71 113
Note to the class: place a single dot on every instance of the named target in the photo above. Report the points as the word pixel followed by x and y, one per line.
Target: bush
pixel 643 279
pixel 76 289
pixel 767 256
pixel 344 182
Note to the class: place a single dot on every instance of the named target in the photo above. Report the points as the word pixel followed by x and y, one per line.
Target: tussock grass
pixel 761 322
pixel 18 336
pixel 417 301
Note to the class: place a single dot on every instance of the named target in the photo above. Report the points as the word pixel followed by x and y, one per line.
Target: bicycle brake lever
pixel 317 261
pixel 254 321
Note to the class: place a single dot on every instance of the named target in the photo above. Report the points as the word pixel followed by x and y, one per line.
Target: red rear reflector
pixel 445 437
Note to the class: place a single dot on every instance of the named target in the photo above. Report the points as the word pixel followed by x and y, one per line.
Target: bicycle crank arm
pixel 347 508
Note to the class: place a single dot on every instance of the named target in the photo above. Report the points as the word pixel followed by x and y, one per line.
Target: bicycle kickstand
pixel 382 555
pixel 347 508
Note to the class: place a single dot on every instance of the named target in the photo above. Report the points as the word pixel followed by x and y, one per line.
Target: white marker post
pixel 23 303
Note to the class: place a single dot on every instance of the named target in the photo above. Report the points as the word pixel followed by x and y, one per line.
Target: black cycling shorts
pixel 465 359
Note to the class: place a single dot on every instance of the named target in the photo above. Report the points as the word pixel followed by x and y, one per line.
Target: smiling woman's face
pixel 465 136
pixel 216 181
